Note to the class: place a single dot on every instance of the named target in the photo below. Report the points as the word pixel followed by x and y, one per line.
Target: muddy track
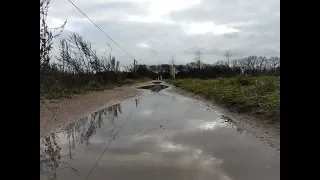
pixel 56 113
pixel 158 133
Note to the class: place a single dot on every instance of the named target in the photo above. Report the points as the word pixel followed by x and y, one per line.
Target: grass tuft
pixel 257 95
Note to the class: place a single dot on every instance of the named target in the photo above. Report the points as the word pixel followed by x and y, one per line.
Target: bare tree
pixel 261 63
pixel 76 53
pixel 173 61
pixel 128 68
pixel 113 63
pixel 254 61
pixel 46 35
pixel 173 70
pixel 96 63
pixel 198 56
pixel 274 63
pixel 228 56
pixel 244 64
pixel 220 63
pixel 105 63
pixel 235 63
pixel 118 66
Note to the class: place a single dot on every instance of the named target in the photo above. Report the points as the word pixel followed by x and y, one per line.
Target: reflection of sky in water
pixel 170 147
pixel 189 141
pixel 206 125
pixel 57 148
pixel 145 112
pixel 161 150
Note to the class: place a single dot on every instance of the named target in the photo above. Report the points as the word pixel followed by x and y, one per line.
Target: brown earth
pixel 56 113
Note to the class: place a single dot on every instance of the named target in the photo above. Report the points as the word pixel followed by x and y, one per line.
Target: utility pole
pixel 173 68
pixel 134 65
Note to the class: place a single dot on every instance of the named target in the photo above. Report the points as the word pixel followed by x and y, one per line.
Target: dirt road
pixel 56 113
pixel 158 135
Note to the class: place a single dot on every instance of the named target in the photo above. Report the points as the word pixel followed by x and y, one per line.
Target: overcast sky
pixel 152 31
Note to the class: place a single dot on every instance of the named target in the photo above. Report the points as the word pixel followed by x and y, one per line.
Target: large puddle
pixel 154 88
pixel 156 82
pixel 157 136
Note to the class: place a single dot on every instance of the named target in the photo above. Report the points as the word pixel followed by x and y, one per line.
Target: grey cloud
pixel 65 10
pixel 223 12
pixel 231 35
pixel 204 51
pixel 153 51
pixel 258 25
pixel 127 34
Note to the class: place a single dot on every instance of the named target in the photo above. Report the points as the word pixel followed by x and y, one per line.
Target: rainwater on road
pixel 158 136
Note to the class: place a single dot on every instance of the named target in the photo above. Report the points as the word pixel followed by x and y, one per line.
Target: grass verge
pixel 68 93
pixel 257 95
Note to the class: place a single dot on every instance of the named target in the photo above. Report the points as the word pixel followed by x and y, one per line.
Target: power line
pixel 100 29
pixel 113 138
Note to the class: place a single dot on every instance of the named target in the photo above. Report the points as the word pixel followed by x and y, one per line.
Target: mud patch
pixel 156 82
pixel 154 88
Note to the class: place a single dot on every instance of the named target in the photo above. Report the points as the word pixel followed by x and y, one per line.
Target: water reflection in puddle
pixel 154 88
pixel 165 133
pixel 73 135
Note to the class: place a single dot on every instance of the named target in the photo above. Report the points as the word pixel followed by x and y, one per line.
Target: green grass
pixel 257 95
pixel 68 93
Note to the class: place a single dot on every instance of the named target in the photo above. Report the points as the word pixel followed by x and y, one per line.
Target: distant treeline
pixel 248 66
